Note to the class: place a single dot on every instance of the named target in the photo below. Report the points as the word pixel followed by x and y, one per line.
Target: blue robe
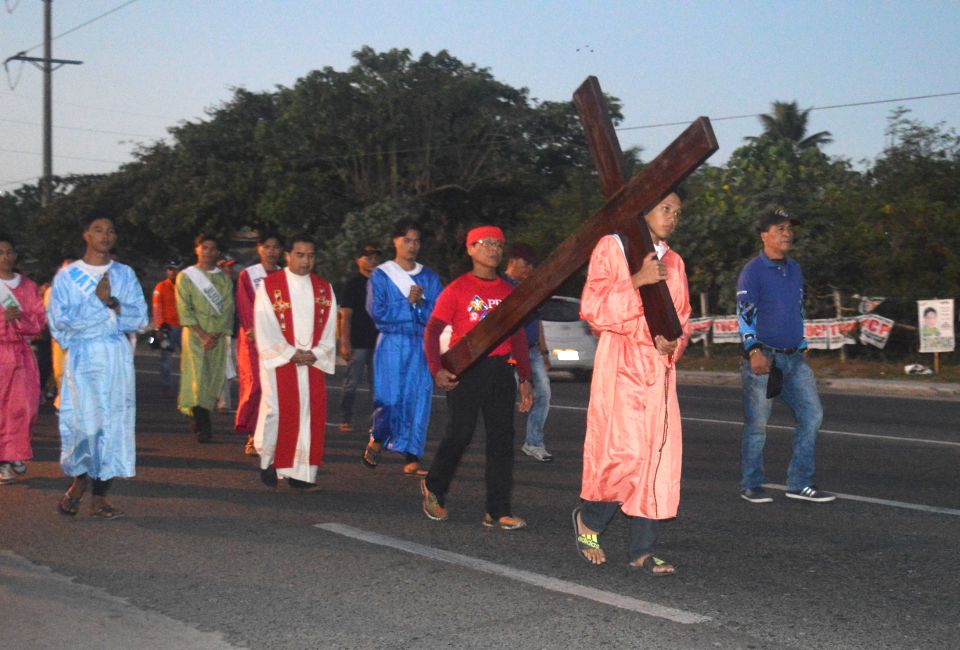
pixel 402 384
pixel 97 397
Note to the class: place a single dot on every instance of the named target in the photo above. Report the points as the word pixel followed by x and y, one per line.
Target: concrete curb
pixel 919 388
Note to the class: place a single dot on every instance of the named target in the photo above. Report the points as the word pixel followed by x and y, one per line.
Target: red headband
pixel 485 232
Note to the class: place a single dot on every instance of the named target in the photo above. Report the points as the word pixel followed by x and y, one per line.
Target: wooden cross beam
pixel 666 171
pixel 658 309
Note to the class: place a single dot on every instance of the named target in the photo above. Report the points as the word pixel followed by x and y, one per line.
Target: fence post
pixel 838 305
pixel 703 313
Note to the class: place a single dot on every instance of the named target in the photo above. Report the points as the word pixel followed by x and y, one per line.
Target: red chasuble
pixel 288 429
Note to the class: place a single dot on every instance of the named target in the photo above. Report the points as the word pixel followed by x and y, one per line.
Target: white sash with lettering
pixel 202 282
pixel 84 282
pixel 400 277
pixel 7 299
pixel 256 273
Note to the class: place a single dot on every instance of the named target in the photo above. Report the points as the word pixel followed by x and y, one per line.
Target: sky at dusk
pixel 155 63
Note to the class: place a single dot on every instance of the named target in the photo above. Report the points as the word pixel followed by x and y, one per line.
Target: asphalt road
pixel 209 558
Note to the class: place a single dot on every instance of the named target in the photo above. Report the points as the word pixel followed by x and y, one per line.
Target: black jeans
pixel 596 515
pixel 488 387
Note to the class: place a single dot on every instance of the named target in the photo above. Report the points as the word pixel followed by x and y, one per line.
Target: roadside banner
pixel 725 329
pixel 875 330
pixel 817 333
pixel 936 325
pixel 699 328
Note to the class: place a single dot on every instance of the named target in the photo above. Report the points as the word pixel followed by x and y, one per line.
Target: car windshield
pixel 560 311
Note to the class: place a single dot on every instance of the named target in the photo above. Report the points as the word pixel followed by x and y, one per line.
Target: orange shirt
pixel 165 304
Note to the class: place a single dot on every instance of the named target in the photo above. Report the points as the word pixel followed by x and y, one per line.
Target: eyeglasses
pixel 490 243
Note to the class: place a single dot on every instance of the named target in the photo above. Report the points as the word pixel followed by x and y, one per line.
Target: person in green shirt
pixel 206 309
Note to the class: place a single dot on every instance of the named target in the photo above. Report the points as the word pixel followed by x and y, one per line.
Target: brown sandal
pixel 414 470
pixel 69 505
pixel 370 457
pixel 107 512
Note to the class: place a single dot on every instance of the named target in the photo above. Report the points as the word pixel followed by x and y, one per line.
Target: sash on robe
pixel 256 273
pixel 84 283
pixel 7 299
pixel 202 282
pixel 288 396
pixel 400 277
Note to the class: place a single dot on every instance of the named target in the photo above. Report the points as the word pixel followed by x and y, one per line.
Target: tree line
pixel 344 154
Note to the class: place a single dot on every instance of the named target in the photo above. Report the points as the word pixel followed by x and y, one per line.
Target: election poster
pixel 875 330
pixel 936 325
pixel 699 328
pixel 726 330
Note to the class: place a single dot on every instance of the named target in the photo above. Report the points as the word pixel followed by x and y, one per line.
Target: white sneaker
pixel 540 453
pixel 19 467
pixel 6 474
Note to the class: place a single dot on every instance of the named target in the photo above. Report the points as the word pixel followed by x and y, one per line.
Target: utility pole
pixel 48 64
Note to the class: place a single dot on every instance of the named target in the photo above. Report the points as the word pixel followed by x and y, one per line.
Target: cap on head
pixel 485 232
pixel 774 217
pixel 226 260
pixel 172 264
pixel 368 249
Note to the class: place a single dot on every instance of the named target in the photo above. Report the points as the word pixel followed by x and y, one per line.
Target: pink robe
pixel 633 446
pixel 19 376
pixel 248 363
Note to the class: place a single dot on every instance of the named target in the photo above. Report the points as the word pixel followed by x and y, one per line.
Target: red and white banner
pixel 725 329
pixel 829 333
pixel 875 330
pixel 699 328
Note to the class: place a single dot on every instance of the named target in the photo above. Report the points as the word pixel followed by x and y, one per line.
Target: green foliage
pixel 344 154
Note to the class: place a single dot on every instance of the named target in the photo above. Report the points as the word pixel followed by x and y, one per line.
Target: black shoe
pixel 811 493
pixel 269 476
pixel 756 495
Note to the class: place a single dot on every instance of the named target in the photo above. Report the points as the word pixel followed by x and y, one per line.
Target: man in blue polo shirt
pixel 770 316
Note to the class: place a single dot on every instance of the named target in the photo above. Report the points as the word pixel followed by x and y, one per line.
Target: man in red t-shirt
pixel 488 386
pixel 167 324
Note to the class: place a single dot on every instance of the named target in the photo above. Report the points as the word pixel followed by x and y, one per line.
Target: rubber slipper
pixel 584 541
pixel 648 565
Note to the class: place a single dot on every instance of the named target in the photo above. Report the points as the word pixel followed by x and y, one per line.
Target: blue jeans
pixel 166 377
pixel 800 394
pixel 541 399
pixel 360 359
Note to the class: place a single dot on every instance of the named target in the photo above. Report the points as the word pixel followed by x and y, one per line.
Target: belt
pixel 780 350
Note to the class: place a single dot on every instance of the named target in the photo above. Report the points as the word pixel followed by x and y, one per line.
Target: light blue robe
pixel 98 394
pixel 402 384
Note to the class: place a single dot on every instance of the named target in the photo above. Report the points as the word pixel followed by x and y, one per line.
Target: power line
pixel 22 180
pixel 96 108
pixel 84 24
pixel 80 128
pixel 814 108
pixel 34 153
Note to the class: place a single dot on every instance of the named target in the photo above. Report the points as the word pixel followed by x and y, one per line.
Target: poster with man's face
pixel 936 325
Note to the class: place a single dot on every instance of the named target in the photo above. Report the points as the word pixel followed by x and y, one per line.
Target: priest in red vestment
pixel 296 340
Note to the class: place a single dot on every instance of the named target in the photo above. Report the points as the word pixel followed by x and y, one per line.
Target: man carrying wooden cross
pixel 632 449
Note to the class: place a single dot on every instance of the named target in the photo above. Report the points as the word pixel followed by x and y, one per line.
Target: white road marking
pixel 535 579
pixel 883 502
pixel 833 432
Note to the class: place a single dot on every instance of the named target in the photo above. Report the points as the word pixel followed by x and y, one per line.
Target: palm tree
pixel 788 122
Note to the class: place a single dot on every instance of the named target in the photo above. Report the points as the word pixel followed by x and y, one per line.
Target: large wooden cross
pixel 625 202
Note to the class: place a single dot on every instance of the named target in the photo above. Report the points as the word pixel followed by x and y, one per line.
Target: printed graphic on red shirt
pixel 479 308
